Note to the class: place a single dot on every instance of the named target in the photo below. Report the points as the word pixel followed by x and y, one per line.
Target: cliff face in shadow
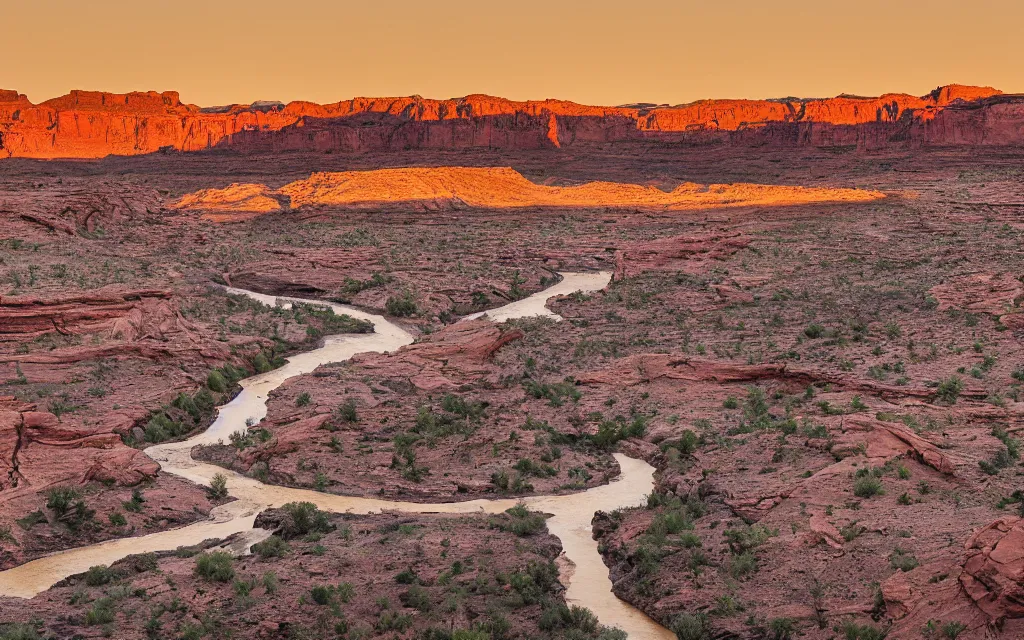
pixel 85 124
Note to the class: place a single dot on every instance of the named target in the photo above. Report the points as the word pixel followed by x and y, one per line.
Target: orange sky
pixel 593 51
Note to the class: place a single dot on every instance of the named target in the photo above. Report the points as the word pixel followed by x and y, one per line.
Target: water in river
pixel 584 575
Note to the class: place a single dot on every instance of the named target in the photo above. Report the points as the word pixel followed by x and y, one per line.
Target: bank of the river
pixel 582 571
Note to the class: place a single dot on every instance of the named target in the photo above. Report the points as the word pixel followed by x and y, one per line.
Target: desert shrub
pixel 215 567
pixel 303 400
pixel 102 612
pixel 686 443
pixel 272 547
pixel 346 411
pixel 503 483
pixel 215 381
pixel 219 487
pixel 903 560
pixel 520 521
pixel 611 432
pixel 260 363
pixel 854 631
pixel 533 582
pixel 742 565
pixel 302 518
pixel 392 621
pixel 814 331
pixel 689 626
pixel 408 576
pixel 99 575
pixel 574 618
pixel 851 531
pixel 60 498
pixel 949 389
pixel 416 597
pixel 748 538
pixel 31 520
pixel 457 417
pixel 345 591
pixel 322 594
pixel 528 467
pixel 952 630
pixel 135 504
pixel 867 486
pixel 555 393
pixel 401 306
pixel 18 631
pixel 329 322
pixel 781 629
pixel 270 582
pixel 184 414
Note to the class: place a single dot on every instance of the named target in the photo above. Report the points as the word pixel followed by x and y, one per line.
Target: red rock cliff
pixel 85 124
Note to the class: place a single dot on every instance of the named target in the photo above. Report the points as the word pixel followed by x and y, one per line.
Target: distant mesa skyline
pixel 594 52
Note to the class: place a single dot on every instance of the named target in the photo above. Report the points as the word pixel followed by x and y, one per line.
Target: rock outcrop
pixel 89 124
pixel 112 309
pixel 33 446
pixel 447 188
pixel 983 589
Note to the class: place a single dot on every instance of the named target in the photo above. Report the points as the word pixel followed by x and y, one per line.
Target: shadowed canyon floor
pixel 829 391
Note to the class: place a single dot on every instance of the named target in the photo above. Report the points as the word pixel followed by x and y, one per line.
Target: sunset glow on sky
pixel 594 51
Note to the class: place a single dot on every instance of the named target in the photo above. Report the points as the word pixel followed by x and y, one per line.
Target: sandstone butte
pixel 89 124
pixel 443 188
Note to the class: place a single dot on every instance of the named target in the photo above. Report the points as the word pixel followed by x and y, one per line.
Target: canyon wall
pixel 85 124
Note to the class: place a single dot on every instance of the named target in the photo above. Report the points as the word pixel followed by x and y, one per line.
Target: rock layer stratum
pixel 91 124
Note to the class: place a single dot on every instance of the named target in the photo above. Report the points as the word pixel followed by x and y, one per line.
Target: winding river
pixel 581 570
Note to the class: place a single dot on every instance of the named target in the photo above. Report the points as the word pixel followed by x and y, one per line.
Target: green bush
pixel 322 595
pixel 407 577
pixel 416 597
pixel 270 582
pixel 854 631
pixel 742 565
pixel 814 331
pixel 216 566
pixel 219 487
pixel 867 486
pixel 303 518
pixel 135 504
pixel 575 618
pixel 744 539
pixel 18 631
pixel 949 389
pixel 216 381
pixel 521 521
pixel 688 626
pixel 60 498
pixel 781 628
pixel 611 432
pixel 272 547
pixel 903 560
pixel 99 575
pixel 401 306
pixel 347 411
pixel 345 591
pixel 102 612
